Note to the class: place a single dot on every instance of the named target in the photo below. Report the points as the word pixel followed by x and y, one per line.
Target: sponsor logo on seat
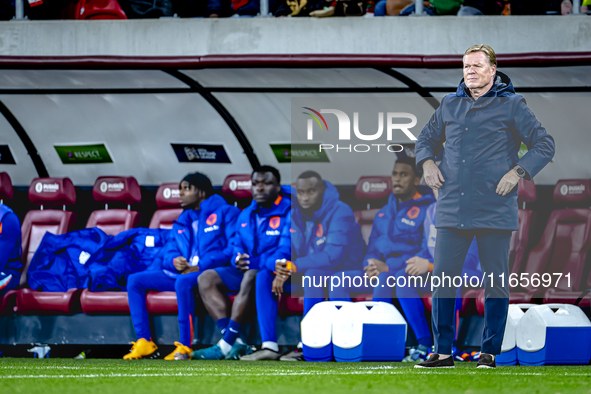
pixel 374 187
pixel 240 185
pixel 171 193
pixel 46 187
pixel 577 189
pixel 111 187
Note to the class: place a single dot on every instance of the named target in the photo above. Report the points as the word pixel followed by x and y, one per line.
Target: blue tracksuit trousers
pixel 185 286
pixel 266 301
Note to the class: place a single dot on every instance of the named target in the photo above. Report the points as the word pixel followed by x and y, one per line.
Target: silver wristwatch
pixel 519 171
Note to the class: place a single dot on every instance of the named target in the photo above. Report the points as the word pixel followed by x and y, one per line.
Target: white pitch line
pixel 315 373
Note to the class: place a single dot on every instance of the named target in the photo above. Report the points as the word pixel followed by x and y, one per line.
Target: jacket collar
pixel 418 199
pixel 501 87
pixel 280 206
pixel 212 204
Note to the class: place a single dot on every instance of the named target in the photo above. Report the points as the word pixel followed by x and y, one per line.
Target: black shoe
pixel 434 362
pixel 486 361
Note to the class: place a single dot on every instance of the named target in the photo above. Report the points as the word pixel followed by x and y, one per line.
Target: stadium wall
pixel 196 37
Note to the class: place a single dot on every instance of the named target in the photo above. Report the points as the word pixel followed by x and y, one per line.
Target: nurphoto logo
pixel 344 131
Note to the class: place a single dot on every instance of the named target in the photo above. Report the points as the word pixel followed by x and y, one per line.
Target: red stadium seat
pixel 291 306
pixel 564 247
pixel 94 9
pixel 46 191
pixel 168 200
pixel 165 303
pixel 169 206
pixel 360 297
pixel 237 190
pixel 5 187
pixel 162 303
pixel 571 243
pixel 115 189
pixel 520 239
pixel 104 302
pixel 370 189
pixel 33 302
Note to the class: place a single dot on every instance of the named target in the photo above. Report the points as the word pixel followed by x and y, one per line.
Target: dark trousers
pixel 451 248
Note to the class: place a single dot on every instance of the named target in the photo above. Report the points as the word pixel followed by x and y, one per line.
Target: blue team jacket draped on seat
pixel 60 261
pixel 130 251
pixel 91 259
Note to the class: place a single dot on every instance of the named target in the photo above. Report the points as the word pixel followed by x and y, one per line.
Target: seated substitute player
pixel 10 250
pixel 420 266
pixel 200 239
pixel 262 237
pixel 324 238
pixel 396 242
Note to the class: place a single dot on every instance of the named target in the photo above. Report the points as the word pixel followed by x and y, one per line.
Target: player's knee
pixel 207 280
pixel 249 279
pixel 133 282
pixel 184 283
pixel 250 275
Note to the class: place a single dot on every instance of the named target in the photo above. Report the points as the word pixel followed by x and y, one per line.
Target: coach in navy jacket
pixel 482 125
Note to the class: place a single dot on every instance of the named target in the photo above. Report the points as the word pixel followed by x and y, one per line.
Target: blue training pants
pixel 266 301
pixel 185 286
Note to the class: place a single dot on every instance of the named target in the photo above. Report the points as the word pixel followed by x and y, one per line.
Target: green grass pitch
pixel 63 376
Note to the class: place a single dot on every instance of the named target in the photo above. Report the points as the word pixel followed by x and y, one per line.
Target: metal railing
pixel 19 6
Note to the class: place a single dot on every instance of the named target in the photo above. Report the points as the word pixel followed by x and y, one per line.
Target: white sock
pixel 225 347
pixel 271 346
pixel 240 341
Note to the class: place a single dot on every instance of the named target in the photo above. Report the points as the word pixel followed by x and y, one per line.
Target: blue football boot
pixel 211 353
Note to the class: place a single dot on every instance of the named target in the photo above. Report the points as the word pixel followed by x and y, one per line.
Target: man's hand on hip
pixel 432 175
pixel 507 183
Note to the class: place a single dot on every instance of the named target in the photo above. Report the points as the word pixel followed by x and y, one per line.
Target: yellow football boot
pixel 181 352
pixel 141 348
